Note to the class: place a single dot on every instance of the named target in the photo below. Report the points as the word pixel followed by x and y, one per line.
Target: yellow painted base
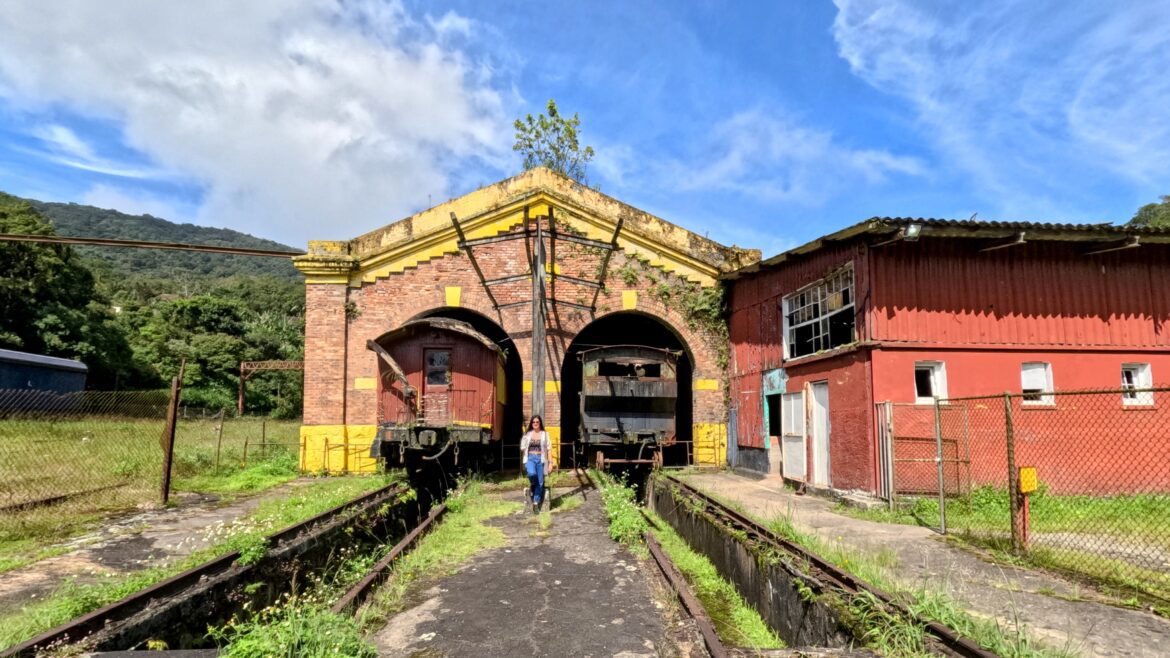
pixel 337 448
pixel 710 443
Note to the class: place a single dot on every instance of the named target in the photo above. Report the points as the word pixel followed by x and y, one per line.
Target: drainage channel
pixel 792 588
pixel 178 610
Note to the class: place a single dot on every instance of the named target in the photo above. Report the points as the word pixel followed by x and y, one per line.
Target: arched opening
pixel 627 328
pixel 513 372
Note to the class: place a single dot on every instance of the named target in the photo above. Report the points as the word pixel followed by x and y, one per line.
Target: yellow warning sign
pixel 1028 480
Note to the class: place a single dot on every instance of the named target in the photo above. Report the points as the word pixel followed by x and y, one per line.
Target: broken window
pixel 821 316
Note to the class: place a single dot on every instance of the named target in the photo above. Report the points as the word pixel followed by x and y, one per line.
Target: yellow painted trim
pixel 337 448
pixel 436 237
pixel 453 293
pixel 706 385
pixel 710 443
pixel 526 385
pixel 554 440
pixel 365 383
pixel 629 299
pixel 552 387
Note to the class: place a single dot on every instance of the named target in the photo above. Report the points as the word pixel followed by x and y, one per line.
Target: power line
pixel 143 244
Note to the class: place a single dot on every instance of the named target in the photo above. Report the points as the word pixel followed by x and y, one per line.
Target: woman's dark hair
pixel 535 417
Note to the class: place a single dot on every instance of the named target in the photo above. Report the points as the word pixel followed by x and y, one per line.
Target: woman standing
pixel 534 449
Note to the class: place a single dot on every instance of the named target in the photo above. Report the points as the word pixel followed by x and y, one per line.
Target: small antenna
pixel 973 216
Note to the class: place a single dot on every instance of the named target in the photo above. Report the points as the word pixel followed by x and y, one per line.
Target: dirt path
pixel 131 543
pixel 565 591
pixel 1038 601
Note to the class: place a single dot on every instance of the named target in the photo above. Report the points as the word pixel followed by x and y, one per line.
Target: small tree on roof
pixel 551 141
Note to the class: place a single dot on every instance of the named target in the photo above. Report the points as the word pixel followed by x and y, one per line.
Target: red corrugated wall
pixel 945 292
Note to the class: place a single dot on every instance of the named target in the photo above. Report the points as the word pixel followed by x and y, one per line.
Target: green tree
pixel 49 303
pixel 1153 215
pixel 550 140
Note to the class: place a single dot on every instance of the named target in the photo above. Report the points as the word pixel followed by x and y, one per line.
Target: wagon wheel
pixel 599 460
pixel 657 459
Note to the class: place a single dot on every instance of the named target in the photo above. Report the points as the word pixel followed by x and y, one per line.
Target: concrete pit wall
pixel 182 621
pixel 789 602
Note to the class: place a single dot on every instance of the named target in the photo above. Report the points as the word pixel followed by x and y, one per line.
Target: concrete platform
pixel 565 591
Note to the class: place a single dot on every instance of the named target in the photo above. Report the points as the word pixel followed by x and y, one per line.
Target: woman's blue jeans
pixel 535 469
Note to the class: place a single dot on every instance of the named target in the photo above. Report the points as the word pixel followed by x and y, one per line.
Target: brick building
pixel 902 310
pixel 613 274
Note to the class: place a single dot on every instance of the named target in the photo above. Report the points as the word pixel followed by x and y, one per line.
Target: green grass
pixel 558 478
pixel 897 637
pixel 294 629
pixel 460 535
pixel 245 534
pixel 737 623
pixel 626 523
pixel 39 459
pixel 984 519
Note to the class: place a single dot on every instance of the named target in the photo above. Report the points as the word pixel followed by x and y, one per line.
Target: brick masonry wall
pixel 387 303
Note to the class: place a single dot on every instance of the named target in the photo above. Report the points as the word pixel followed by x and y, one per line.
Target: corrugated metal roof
pixel 27 358
pixel 966 228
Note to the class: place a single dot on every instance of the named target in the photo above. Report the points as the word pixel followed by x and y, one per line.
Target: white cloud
pixel 771 157
pixel 312 119
pixel 133 203
pixel 66 148
pixel 1031 99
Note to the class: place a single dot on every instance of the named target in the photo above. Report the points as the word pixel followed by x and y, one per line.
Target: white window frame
pixel 1046 397
pixel 938 380
pixel 821 300
pixel 1141 377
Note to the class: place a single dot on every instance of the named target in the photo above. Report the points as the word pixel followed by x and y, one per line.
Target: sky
pixel 762 124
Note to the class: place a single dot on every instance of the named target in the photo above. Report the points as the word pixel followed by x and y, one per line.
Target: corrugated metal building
pixel 36 372
pixel 892 308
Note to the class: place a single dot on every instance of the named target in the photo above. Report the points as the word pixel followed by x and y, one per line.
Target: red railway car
pixel 440 387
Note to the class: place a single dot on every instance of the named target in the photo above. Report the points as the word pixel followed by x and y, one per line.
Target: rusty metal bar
pixel 507 279
pixel 475 242
pixel 572 304
pixel 569 237
pixel 474 264
pixel 357 594
pixel 687 598
pixel 576 280
pixel 143 244
pixel 168 437
pixel 604 269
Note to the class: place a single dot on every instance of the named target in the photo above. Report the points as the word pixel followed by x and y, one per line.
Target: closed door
pixel 792 420
pixel 820 433
pixel 437 385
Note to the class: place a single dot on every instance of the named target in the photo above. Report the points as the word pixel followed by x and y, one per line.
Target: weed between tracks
pixel 737 623
pixel 73 599
pixel 459 536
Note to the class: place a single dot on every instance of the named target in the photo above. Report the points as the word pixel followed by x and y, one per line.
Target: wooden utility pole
pixel 538 258
pixel 168 438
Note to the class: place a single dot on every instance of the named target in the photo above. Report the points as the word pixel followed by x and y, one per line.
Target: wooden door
pixel 436 402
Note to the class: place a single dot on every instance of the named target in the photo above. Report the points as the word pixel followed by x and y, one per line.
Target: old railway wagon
pixel 628 400
pixel 440 389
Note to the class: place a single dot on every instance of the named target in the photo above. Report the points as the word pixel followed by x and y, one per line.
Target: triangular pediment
pixel 498 208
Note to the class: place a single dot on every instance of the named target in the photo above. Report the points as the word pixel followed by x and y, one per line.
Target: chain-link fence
pixel 68 459
pixel 1078 480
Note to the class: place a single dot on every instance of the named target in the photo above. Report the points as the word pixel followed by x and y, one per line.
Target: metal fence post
pixel 219 438
pixel 169 438
pixel 890 456
pixel 938 460
pixel 1013 489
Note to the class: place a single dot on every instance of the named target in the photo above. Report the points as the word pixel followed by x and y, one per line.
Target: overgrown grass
pixel 245 535
pixel 500 482
pixel 294 629
pixel 626 523
pixel 894 636
pixel 737 623
pixel 460 535
pixel 987 509
pixel 1140 523
pixel 118 463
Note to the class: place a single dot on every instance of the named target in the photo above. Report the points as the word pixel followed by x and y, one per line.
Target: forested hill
pixel 73 219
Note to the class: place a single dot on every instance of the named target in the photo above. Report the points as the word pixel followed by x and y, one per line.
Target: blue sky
pixel 762 124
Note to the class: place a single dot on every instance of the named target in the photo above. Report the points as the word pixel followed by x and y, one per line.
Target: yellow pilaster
pixel 337 448
pixel 710 443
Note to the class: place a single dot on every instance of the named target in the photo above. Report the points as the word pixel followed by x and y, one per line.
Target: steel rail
pixel 356 595
pixel 124 609
pixel 944 639
pixel 691 604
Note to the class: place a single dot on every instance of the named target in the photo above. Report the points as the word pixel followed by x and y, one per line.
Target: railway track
pixel 198 590
pixel 941 639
